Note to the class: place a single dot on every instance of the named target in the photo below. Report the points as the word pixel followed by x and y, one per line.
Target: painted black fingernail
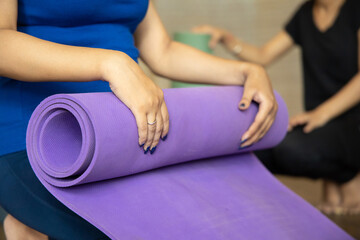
pixel 152 150
pixel 164 138
pixel 145 152
pixel 242 105
pixel 241 148
pixel 243 141
pixel 142 145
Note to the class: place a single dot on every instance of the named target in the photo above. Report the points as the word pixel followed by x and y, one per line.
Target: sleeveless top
pixel 108 24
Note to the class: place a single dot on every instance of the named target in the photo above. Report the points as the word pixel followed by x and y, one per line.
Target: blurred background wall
pixel 255 21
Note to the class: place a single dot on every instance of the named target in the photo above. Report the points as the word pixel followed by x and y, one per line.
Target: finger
pixel 269 122
pixel 215 38
pixel 151 128
pixel 246 99
pixel 158 131
pixel 309 127
pixel 215 35
pixel 263 129
pixel 264 111
pixel 165 117
pixel 142 127
pixel 299 120
pixel 292 123
pixel 251 140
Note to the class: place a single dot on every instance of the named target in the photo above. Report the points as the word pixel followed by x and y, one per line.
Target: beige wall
pixel 254 21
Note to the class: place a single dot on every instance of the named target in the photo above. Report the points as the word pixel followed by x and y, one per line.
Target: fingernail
pixel 242 147
pixel 243 141
pixel 142 145
pixel 152 150
pixel 145 152
pixel 164 138
pixel 242 105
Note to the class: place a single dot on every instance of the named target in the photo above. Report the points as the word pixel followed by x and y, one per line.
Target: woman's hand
pixel 141 95
pixel 217 34
pixel 257 88
pixel 312 120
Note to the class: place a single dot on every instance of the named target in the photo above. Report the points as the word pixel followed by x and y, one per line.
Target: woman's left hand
pixel 312 120
pixel 257 88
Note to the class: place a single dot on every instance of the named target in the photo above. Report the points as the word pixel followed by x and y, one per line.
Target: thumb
pixel 308 128
pixel 214 41
pixel 246 99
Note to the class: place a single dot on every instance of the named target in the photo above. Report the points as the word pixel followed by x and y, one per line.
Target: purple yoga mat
pixel 83 148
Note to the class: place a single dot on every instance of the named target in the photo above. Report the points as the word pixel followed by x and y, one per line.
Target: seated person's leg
pixel 316 155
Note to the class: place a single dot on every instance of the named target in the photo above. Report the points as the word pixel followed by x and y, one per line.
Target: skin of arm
pixel 263 55
pixel 346 98
pixel 26 58
pixel 181 62
pixel 342 101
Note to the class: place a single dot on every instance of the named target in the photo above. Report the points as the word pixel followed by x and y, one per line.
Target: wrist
pixel 245 69
pixel 324 112
pixel 232 44
pixel 110 63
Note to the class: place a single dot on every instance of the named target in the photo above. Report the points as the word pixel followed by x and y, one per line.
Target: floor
pixel 311 191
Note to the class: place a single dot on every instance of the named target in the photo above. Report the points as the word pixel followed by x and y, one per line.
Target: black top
pixel 330 58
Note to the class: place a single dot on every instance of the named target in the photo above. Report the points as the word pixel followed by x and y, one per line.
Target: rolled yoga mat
pixel 197 185
pixel 197 40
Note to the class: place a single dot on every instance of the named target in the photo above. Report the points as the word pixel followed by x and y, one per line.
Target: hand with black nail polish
pixel 257 88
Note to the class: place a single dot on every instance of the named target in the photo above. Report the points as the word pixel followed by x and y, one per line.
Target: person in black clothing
pixel 324 141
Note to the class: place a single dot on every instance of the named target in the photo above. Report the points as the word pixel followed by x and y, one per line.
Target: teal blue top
pixel 108 24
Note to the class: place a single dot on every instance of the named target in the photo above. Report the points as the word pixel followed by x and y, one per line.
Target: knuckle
pixel 272 105
pixel 152 102
pixel 156 102
pixel 161 94
pixel 276 108
pixel 142 108
pixel 166 119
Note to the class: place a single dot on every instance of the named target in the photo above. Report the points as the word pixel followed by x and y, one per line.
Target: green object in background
pixel 196 40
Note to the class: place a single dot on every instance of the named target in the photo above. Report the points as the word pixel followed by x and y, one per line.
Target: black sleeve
pixel 293 25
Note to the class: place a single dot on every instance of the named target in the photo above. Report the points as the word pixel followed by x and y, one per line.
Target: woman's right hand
pixel 141 95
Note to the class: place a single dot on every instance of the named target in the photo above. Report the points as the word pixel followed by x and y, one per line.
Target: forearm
pixel 184 63
pixel 27 58
pixel 247 52
pixel 344 100
pixel 264 55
